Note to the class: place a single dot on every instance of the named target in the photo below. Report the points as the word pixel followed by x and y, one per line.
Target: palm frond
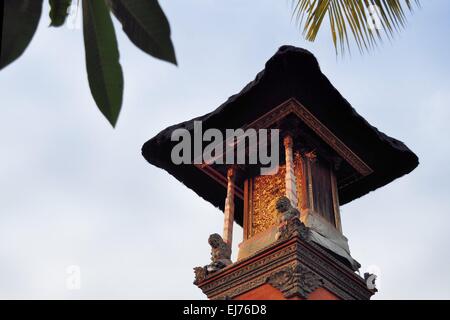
pixel 368 21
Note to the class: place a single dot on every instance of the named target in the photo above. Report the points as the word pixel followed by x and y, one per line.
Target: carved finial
pixel 287 141
pixel 231 172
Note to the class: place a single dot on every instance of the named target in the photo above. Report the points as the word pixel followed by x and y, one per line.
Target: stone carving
pixel 295 280
pixel 220 258
pixel 285 210
pixel 292 228
pixel 289 222
pixel 200 274
pixel 370 280
pixel 220 253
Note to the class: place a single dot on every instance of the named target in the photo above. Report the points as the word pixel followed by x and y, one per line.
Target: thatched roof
pixel 291 73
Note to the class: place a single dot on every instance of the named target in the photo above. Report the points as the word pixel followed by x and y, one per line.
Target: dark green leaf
pixel 146 26
pixel 59 11
pixel 102 59
pixel 20 21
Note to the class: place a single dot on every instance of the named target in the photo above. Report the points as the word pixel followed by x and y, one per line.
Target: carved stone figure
pixel 286 213
pixel 220 253
pixel 285 210
pixel 220 258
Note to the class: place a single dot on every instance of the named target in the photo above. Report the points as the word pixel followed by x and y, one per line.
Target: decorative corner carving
pixel 320 270
pixel 220 258
pixel 295 280
pixel 220 253
pixel 293 228
pixel 285 210
pixel 289 220
pixel 200 274
pixel 370 280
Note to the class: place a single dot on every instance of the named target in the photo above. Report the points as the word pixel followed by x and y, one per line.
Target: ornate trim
pixel 295 280
pixel 294 228
pixel 295 107
pixel 247 276
pixel 200 274
pixel 268 264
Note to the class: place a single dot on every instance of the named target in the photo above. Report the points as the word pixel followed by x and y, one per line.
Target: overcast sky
pixel 73 191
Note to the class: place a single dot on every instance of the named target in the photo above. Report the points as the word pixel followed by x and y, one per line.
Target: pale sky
pixel 74 191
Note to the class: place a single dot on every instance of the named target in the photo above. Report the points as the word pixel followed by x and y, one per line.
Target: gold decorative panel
pixel 266 191
pixel 314 193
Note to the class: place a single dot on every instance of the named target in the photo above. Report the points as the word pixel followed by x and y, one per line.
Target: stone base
pixel 293 268
pixel 257 243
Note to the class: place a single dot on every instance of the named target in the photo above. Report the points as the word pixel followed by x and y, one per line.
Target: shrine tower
pixel 328 155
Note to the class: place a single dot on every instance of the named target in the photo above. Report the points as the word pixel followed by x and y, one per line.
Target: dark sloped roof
pixel 291 73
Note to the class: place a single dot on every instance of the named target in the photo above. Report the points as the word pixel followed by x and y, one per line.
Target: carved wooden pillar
pixel 310 157
pixel 291 184
pixel 229 208
pixel 303 191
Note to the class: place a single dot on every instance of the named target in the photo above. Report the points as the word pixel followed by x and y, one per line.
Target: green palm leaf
pixel 102 59
pixel 59 11
pixel 146 26
pixel 367 20
pixel 20 21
